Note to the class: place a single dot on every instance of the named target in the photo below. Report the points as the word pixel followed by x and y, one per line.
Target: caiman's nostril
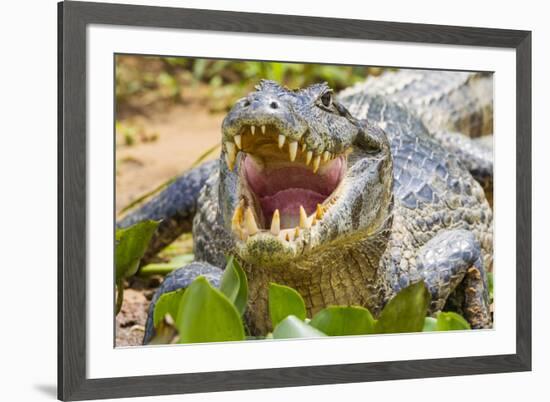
pixel 274 105
pixel 246 103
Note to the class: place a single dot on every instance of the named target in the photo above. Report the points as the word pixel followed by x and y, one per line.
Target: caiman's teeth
pixel 263 129
pixel 252 130
pixel 276 223
pixel 296 232
pixel 228 161
pixel 238 141
pixel 309 155
pixel 326 155
pixel 282 139
pixel 250 222
pixel 304 223
pixel 292 149
pixel 237 218
pixel 230 154
pixel 319 212
pixel 304 145
pixel 287 236
pixel 230 147
pixel 316 162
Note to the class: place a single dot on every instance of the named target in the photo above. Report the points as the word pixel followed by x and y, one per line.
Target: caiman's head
pixel 300 173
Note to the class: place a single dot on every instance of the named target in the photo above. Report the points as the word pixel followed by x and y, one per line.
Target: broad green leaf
pixel 235 285
pixel 450 321
pixel 206 315
pixel 168 303
pixel 406 311
pixel 430 324
pixel 242 297
pixel 131 244
pixel 343 320
pixel 285 301
pixel 293 327
pixel 230 283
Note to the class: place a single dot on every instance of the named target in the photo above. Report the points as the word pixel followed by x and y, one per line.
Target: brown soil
pixel 183 132
pixel 130 321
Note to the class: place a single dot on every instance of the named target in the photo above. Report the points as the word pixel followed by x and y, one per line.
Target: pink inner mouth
pixel 287 187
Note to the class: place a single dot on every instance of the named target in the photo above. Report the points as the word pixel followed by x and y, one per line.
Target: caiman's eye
pixel 326 99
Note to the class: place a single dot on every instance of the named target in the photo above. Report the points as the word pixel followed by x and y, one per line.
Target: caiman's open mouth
pixel 285 188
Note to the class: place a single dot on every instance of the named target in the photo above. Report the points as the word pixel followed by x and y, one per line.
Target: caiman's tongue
pixel 288 203
pixel 286 188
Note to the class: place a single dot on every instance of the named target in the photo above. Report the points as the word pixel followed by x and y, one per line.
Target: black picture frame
pixel 73 18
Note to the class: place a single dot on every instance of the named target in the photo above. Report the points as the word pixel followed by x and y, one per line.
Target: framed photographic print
pixel 255 201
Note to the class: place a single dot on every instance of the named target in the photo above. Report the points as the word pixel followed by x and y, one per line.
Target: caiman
pixel 347 198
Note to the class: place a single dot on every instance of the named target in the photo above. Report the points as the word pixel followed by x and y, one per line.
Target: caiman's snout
pixel 263 104
pixel 261 110
pixel 287 172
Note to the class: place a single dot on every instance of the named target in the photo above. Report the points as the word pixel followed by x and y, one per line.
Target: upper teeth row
pixel 232 149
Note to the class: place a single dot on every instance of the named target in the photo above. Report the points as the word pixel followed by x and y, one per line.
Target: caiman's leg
pixel 179 279
pixel 475 154
pixel 175 206
pixel 450 262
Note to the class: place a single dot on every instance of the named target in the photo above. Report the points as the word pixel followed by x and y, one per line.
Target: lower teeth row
pixel 244 224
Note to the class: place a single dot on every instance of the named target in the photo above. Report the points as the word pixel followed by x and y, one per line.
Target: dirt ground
pixel 183 133
pixel 131 318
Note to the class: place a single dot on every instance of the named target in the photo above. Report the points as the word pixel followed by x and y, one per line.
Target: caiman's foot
pixel 451 263
pixel 180 279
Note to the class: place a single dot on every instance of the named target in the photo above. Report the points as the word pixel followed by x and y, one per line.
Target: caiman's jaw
pixel 299 173
pixel 285 188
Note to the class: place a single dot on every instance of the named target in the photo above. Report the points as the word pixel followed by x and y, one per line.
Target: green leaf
pixel 168 303
pixel 284 301
pixel 164 268
pixel 342 320
pixel 293 327
pixel 206 315
pixel 490 285
pixel 406 311
pixel 235 285
pixel 430 324
pixel 450 321
pixel 181 260
pixel 119 296
pixel 131 244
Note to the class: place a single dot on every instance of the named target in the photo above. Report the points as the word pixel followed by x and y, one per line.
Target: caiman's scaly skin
pixel 450 101
pixel 405 208
pixel 456 107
